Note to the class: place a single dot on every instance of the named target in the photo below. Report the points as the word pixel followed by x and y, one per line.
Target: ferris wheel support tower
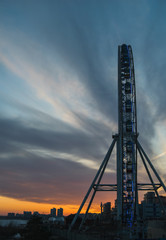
pixel 127 131
pixel 128 145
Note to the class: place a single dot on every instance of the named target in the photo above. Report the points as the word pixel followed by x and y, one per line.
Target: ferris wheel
pixel 127 144
pixel 127 164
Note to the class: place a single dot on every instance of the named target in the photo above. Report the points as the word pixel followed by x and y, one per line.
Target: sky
pixel 58 96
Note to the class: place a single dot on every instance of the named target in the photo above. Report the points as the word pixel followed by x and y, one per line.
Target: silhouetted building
pixel 149 197
pixel 11 215
pixel 36 214
pixel 27 214
pixel 60 212
pixel 53 212
pixel 150 207
pixel 107 208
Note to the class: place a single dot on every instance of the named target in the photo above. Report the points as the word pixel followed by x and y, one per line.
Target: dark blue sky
pixel 58 91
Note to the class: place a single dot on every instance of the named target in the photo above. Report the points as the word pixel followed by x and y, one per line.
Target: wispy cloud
pixel 159 156
pixel 59 103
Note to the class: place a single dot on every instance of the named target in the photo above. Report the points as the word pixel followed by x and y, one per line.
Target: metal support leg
pixel 85 216
pixel 151 165
pixel 150 177
pixel 87 195
pixel 98 182
pixel 137 209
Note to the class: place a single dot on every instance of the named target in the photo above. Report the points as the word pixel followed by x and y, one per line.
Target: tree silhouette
pixel 36 230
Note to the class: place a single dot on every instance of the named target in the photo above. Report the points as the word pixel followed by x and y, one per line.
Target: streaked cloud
pixel 59 92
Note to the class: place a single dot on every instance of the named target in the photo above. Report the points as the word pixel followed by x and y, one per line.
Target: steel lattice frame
pixel 127 159
pixel 127 144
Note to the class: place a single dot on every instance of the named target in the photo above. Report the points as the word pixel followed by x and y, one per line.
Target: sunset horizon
pixel 59 98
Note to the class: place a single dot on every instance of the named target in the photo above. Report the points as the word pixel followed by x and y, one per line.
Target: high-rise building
pixel 150 207
pixel 53 212
pixel 107 208
pixel 60 212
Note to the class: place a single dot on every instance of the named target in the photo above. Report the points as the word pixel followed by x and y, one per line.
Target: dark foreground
pixel 37 229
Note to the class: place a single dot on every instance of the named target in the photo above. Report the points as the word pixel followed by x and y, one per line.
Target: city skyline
pixel 58 65
pixel 54 212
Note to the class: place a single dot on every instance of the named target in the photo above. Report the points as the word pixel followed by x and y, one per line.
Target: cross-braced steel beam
pixel 97 179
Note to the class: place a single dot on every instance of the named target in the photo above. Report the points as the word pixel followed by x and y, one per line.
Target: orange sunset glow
pixel 16 206
pixel 61 105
